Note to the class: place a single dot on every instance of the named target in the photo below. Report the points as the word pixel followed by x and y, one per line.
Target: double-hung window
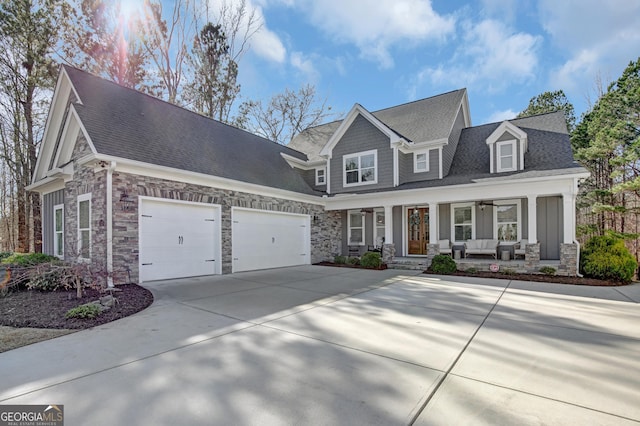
pixel 463 219
pixel 58 230
pixel 356 228
pixel 360 168
pixel 421 162
pixel 321 178
pixel 84 226
pixel 506 156
pixel 507 220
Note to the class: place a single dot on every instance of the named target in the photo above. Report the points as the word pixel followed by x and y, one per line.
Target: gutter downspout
pixel 112 166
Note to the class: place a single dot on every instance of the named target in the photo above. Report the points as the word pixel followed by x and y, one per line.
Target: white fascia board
pixel 346 123
pixel 302 164
pixel 46 185
pixel 408 148
pixel 161 172
pixel 506 127
pixel 69 137
pixel 488 189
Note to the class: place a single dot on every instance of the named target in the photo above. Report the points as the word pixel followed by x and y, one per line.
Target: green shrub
pixel 548 270
pixel 371 260
pixel 340 260
pixel 29 259
pixel 607 258
pixel 4 255
pixel 46 279
pixel 90 310
pixel 508 271
pixel 354 260
pixel 471 270
pixel 443 264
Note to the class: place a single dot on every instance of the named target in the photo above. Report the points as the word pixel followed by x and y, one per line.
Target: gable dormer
pixel 507 146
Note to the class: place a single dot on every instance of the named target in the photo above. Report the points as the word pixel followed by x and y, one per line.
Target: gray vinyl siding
pixel 406 162
pixel 550 226
pixel 48 202
pixel 398 226
pixel 444 217
pixel 525 218
pixel 484 223
pixel 362 136
pixel 449 150
pixel 309 176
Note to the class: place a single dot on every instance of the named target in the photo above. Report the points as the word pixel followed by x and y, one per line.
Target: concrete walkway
pixel 320 345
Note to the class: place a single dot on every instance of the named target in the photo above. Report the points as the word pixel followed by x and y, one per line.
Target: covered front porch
pixel 432 222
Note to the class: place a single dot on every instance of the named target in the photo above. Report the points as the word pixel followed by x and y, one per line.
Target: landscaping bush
pixel 443 264
pixel 548 270
pixel 340 260
pixel 607 258
pixel 29 259
pixel 4 255
pixel 371 260
pixel 90 310
pixel 354 260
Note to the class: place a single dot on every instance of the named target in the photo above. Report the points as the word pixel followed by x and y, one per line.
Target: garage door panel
pixel 178 239
pixel 262 240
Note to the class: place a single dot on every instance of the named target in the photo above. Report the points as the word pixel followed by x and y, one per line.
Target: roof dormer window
pixel 506 156
pixel 507 146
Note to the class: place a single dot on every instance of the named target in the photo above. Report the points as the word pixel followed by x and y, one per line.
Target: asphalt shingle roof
pixel 419 121
pixel 125 123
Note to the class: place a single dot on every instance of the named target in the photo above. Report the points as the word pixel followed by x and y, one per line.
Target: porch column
pixel 532 218
pixel 433 223
pixel 569 217
pixel 388 224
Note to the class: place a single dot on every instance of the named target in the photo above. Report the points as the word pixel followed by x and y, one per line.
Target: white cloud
pixel 490 54
pixel 264 42
pixel 305 65
pixel 499 116
pixel 599 37
pixel 375 27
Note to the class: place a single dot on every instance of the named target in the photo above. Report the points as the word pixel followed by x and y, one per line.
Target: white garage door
pixel 263 239
pixel 178 239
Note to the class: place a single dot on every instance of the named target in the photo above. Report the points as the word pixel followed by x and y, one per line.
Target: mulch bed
pixel 349 265
pixel 31 308
pixel 557 279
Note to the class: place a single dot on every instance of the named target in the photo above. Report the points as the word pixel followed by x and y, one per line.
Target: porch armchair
pixel 445 247
pixel 481 247
pixel 520 248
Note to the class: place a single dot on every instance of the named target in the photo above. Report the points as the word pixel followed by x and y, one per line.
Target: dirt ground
pixel 30 316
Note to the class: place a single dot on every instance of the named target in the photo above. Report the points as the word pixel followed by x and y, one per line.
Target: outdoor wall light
pixel 125 201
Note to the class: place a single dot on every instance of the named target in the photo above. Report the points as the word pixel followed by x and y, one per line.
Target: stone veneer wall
pixel 85 181
pixel 326 236
pixel 568 260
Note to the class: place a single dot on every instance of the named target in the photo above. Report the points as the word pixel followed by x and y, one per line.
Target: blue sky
pixel 382 53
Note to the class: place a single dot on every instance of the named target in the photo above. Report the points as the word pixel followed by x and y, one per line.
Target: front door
pixel 418 235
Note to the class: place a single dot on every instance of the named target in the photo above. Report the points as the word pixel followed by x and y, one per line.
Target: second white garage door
pixel 178 239
pixel 263 239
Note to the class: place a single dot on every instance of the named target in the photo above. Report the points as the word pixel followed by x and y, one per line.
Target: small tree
pixel 551 102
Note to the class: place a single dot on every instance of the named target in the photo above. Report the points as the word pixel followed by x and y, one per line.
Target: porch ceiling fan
pixel 483 204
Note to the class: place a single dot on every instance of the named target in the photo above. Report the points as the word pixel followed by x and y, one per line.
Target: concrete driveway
pixel 319 345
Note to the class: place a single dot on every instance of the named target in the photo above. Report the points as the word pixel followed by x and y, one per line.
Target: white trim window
pixel 58 230
pixel 506 156
pixel 463 219
pixel 360 168
pixel 321 176
pixel 84 226
pixel 507 221
pixel 355 228
pixel 420 162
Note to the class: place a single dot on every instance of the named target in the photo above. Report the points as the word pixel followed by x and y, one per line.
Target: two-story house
pixel 147 190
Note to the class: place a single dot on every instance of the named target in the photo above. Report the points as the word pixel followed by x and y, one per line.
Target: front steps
pixel 409 263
